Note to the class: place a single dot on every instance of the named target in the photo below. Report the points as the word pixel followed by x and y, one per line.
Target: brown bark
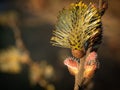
pixel 79 78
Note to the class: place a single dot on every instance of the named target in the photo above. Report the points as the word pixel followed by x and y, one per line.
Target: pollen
pixel 77 25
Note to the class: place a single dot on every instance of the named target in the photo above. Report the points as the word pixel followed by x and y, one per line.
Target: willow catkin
pixel 78 27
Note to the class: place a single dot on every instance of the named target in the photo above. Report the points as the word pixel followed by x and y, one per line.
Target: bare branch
pixel 18 39
pixel 79 79
pixel 103 5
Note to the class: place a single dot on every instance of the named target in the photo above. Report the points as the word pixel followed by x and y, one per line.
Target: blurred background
pixel 29 62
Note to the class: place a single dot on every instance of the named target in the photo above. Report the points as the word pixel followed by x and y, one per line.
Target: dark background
pixel 36 22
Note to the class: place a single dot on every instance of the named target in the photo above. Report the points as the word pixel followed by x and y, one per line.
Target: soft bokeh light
pixel 10 60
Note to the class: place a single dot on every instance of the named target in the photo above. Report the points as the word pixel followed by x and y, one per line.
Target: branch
pixel 18 39
pixel 79 79
pixel 102 6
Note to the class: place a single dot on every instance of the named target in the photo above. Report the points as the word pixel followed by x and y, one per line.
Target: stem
pixel 103 5
pixel 100 4
pixel 79 79
pixel 17 35
pixel 18 40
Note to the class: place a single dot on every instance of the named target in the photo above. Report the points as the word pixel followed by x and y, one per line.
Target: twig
pixel 18 39
pixel 79 79
pixel 79 76
pixel 102 6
